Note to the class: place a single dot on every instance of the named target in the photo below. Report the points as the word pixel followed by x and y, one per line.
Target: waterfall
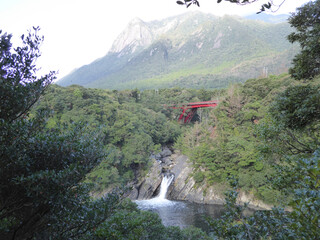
pixel 160 200
pixel 166 181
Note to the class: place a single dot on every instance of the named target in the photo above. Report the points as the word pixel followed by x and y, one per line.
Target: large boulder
pixel 166 152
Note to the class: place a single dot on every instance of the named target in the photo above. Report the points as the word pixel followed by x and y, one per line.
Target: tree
pixel 19 86
pixel 306 21
pixel 269 5
pixel 41 170
pixel 302 222
pixel 43 167
pixel 297 106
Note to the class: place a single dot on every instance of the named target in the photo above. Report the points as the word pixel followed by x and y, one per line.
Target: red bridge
pixel 190 109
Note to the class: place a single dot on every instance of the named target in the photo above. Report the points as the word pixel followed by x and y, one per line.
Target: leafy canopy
pixel 297 106
pixel 41 170
pixel 19 86
pixel 306 21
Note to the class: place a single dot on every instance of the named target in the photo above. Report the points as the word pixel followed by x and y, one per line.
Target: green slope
pixel 200 51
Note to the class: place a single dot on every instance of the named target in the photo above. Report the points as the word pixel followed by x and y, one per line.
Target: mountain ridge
pixel 167 52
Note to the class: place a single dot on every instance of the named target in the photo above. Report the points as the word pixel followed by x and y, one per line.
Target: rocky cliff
pixel 136 35
pixel 184 186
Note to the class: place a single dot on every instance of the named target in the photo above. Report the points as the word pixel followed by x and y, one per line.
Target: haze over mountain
pixel 269 18
pixel 191 50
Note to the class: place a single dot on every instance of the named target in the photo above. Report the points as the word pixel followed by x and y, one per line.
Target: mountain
pixel 269 18
pixel 191 50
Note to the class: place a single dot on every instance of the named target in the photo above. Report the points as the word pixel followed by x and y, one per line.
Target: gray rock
pixel 167 160
pixel 183 187
pixel 157 156
pixel 150 183
pixel 146 190
pixel 137 34
pixel 133 194
pixel 166 152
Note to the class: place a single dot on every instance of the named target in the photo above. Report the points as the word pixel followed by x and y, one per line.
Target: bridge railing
pixel 190 109
pixel 183 105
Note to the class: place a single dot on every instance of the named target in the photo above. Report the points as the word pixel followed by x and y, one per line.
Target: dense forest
pixel 245 136
pixel 60 145
pixel 132 124
pixel 235 139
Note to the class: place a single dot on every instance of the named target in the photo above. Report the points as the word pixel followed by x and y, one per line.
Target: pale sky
pixel 78 32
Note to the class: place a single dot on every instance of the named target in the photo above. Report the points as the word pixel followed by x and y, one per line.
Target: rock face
pixel 184 186
pixel 139 34
pixel 149 186
pixel 136 35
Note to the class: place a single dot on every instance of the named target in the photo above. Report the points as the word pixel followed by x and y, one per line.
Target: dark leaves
pixel 42 195
pixel 264 7
pixel 306 64
pixel 297 106
pixel 188 3
pixel 19 86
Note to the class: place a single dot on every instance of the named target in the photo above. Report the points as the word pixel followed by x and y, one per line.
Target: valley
pixel 185 116
pixel 136 124
pixel 238 138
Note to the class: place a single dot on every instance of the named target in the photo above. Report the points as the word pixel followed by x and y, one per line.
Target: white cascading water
pixel 170 212
pixel 160 200
pixel 178 213
pixel 166 181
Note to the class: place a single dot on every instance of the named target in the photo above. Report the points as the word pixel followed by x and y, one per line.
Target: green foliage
pixel 305 174
pixel 245 137
pixel 45 161
pixel 131 223
pixel 306 64
pixel 258 166
pixel 234 224
pixel 301 177
pixel 41 170
pixel 19 86
pixel 133 124
pixel 293 151
pixel 198 177
pixel 292 126
pixel 48 163
pixel 297 106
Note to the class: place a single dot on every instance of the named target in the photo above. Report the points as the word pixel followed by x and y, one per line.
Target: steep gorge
pixel 184 187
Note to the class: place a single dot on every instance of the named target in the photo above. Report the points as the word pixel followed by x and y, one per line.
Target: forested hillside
pixel 231 140
pixel 242 138
pixel 132 125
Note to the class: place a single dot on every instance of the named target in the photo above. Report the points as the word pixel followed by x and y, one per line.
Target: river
pixel 181 213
